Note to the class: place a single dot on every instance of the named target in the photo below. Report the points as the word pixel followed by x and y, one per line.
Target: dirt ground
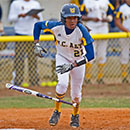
pixel 90 118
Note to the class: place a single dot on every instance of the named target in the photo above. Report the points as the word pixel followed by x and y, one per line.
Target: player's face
pixel 71 22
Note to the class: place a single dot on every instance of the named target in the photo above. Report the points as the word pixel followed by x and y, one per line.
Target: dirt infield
pixel 90 119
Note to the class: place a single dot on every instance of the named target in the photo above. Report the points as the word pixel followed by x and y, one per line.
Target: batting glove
pixel 64 68
pixel 67 67
pixel 39 50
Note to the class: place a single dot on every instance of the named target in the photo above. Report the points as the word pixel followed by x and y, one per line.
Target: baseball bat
pixel 35 93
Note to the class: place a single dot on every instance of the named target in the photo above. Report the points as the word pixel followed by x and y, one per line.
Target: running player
pixel 74 49
pixel 122 22
pixel 98 15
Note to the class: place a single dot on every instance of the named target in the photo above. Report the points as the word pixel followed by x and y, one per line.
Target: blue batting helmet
pixel 70 10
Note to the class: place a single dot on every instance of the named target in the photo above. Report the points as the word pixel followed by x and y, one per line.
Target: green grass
pixel 34 102
pixel 106 102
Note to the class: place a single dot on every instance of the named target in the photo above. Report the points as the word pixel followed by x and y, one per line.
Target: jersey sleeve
pixel 90 52
pixel 45 25
pixel 83 9
pixel 86 38
pixel 87 41
pixel 110 9
pixel 119 14
pixel 13 14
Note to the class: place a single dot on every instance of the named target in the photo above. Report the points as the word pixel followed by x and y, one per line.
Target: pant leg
pixel 101 51
pixel 101 57
pixel 124 58
pixel 63 79
pixel 77 77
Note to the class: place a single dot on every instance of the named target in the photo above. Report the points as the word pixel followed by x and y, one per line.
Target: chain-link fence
pixel 26 69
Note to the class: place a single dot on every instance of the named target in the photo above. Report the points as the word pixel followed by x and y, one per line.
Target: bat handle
pixel 73 104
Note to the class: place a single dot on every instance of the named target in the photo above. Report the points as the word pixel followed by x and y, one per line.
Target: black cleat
pixel 54 118
pixel 74 121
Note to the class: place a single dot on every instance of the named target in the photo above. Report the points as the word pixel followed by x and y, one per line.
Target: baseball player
pixel 122 21
pixel 74 49
pixel 97 17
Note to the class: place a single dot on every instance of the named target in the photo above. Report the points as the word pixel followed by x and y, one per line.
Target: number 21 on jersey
pixel 78 53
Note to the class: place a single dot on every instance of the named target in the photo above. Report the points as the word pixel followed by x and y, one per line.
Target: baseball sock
pixel 88 71
pixel 58 104
pixel 75 110
pixel 124 70
pixel 100 71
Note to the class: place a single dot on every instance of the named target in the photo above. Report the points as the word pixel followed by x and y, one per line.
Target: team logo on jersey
pixel 72 10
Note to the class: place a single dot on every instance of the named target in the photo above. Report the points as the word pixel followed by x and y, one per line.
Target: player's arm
pixel 37 31
pixel 118 22
pixel 86 18
pixel 42 26
pixel 13 14
pixel 39 50
pixel 109 16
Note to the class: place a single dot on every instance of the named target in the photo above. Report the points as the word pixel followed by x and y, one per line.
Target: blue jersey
pixel 71 45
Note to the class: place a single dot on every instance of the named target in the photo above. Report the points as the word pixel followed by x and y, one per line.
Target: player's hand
pixel 36 16
pixel 64 68
pixel 39 50
pixel 22 15
pixel 104 20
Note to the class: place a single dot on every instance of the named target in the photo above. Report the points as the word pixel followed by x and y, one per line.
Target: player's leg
pixel 124 59
pixel 61 88
pixel 88 73
pixel 101 57
pixel 77 77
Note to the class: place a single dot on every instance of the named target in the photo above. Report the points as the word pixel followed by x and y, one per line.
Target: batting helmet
pixel 70 10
